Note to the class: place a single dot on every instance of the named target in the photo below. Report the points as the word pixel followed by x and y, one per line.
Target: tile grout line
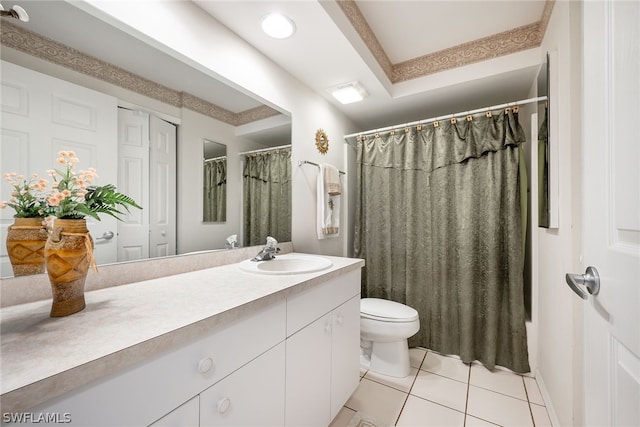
pixel 410 388
pixel 526 392
pixel 466 402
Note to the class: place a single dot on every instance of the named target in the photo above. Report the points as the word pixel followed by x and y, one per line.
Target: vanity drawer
pixel 144 393
pixel 304 308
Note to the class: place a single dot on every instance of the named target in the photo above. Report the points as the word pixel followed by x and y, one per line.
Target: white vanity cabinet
pixel 288 358
pixel 144 393
pixel 323 350
pixel 187 415
pixel 345 343
pixel 251 396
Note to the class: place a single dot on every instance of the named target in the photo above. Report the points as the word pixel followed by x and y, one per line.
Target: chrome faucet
pixel 268 252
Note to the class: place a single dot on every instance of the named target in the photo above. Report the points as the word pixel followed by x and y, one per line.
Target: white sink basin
pixel 287 264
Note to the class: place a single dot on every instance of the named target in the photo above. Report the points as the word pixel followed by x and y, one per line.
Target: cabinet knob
pixel 327 328
pixel 223 404
pixel 205 364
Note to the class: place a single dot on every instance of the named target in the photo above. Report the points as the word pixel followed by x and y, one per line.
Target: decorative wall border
pixel 504 43
pixel 19 38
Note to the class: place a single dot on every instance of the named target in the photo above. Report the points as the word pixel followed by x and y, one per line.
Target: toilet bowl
pixel 384 329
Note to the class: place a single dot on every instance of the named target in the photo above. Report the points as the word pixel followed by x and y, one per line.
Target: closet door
pixel 41 116
pixel 147 173
pixel 133 180
pixel 162 188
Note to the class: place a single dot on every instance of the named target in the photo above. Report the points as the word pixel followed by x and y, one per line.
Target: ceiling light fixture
pixel 278 26
pixel 349 92
pixel 15 12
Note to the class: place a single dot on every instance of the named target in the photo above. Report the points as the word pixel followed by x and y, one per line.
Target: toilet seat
pixel 386 311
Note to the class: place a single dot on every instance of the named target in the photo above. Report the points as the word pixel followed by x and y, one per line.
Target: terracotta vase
pixel 26 238
pixel 68 254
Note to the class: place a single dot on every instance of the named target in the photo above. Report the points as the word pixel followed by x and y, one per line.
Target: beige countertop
pixel 44 357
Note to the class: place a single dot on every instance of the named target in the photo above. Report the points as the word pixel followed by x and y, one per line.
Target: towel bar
pixel 307 162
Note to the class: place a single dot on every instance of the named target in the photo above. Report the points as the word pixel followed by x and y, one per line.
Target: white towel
pixel 328 216
pixel 332 180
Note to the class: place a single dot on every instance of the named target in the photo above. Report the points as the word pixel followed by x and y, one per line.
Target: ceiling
pixel 376 42
pixel 395 48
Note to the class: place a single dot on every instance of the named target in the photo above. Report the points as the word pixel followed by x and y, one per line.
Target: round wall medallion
pixel 322 141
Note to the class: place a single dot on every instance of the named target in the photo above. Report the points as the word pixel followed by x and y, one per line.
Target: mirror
pixel 214 204
pixel 62 41
pixel 543 146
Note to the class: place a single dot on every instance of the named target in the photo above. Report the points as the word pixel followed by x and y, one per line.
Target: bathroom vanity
pixel 218 346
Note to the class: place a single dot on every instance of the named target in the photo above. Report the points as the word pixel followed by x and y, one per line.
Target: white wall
pixel 560 311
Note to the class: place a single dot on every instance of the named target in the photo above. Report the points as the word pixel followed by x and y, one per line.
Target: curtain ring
pixel 407 129
pixel 436 124
pixel 516 109
pixel 454 120
pixel 488 114
pixel 507 110
pixel 419 127
pixel 392 132
pixel 377 135
pixel 469 118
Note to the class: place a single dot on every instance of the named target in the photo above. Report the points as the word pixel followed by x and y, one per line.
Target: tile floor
pixel 443 391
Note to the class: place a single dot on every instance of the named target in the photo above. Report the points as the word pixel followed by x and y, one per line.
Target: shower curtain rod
pixel 264 149
pixel 213 159
pixel 450 116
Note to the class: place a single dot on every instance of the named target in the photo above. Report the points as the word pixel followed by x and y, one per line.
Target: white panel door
pixel 162 188
pixel 41 116
pixel 133 180
pixel 611 211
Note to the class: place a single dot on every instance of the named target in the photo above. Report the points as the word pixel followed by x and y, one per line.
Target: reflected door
pixel 41 116
pixel 162 188
pixel 133 180
pixel 147 172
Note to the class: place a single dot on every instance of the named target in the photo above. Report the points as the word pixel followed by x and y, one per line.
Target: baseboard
pixel 547 400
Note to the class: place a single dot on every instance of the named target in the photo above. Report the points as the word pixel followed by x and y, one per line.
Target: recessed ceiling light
pixel 349 92
pixel 278 26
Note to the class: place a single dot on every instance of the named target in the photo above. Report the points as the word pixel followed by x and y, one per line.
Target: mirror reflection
pixel 214 204
pixel 543 146
pixel 63 42
pixel 266 190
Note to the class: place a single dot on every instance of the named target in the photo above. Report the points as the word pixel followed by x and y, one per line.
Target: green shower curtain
pixel 439 223
pixel 267 196
pixel 215 190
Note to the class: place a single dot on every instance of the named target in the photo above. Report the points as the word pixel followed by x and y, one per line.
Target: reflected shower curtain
pixel 215 190
pixel 267 197
pixel 543 174
pixel 439 223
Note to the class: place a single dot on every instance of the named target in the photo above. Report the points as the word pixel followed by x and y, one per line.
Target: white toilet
pixel 384 329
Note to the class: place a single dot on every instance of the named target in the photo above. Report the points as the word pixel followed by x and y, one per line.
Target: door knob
pixel 590 280
pixel 107 235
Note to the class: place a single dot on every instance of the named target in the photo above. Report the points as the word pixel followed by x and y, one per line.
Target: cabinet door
pixel 345 349
pixel 251 396
pixel 309 375
pixel 187 415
